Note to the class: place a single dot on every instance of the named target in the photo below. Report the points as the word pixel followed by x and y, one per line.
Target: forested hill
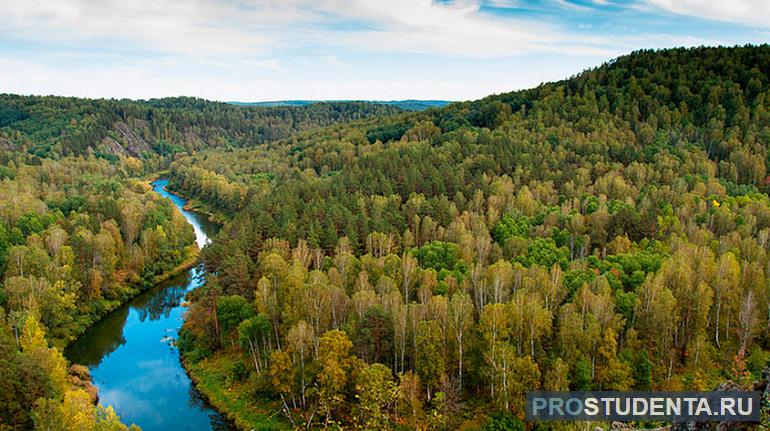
pixel 59 126
pixel 609 231
pixel 406 105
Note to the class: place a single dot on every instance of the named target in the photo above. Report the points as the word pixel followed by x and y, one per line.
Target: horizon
pixel 264 51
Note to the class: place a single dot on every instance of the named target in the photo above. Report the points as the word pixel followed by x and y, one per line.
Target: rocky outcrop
pixel 622 426
pixel 5 144
pixel 761 386
pixel 124 141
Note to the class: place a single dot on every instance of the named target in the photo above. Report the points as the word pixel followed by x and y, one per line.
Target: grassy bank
pixel 200 207
pixel 236 400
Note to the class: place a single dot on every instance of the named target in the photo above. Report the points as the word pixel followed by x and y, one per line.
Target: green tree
pixel 376 393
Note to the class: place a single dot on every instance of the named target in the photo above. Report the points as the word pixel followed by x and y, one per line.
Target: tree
pixel 250 333
pixel 373 336
pixel 410 399
pixel 582 376
pixel 643 371
pixel 282 375
pixel 335 363
pixel 500 276
pixel 612 373
pixel 557 377
pixel 460 320
pixel 408 273
pixel 76 412
pixel 299 342
pixel 376 393
pixel 429 361
pixel 231 311
pixel 725 289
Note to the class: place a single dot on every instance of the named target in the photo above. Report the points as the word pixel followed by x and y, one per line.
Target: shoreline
pixel 136 290
pixel 246 417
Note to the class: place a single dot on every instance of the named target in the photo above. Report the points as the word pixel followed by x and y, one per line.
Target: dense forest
pixel 81 231
pixel 383 269
pixel 77 238
pixel 53 127
pixel 426 270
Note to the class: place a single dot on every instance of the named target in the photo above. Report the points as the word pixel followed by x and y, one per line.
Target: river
pixel 133 360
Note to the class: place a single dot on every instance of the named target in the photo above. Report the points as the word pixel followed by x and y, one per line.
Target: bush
pixel 503 421
pixel 237 373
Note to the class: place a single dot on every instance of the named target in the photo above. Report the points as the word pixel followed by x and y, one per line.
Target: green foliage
pixel 80 237
pixel 581 376
pixel 232 310
pixel 503 421
pixel 643 371
pixel 237 373
pixel 510 226
pixel 439 255
pixel 544 252
pixel 616 222
pixel 59 126
pixel 607 230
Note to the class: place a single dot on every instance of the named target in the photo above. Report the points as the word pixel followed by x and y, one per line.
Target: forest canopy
pixel 607 232
pixel 382 269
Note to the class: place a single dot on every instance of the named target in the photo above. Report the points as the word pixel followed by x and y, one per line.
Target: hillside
pixel 385 269
pixel 59 126
pixel 608 231
pixel 406 105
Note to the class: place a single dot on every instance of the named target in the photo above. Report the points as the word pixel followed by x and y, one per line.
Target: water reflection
pixel 107 335
pixel 133 360
pixel 160 305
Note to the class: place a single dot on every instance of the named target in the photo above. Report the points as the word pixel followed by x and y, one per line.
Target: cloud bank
pixel 343 49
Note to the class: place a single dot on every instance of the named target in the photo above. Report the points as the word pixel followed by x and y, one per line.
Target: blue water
pixel 131 355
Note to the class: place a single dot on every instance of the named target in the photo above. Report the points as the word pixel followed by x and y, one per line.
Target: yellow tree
pixel 335 362
pixel 376 393
pixel 460 322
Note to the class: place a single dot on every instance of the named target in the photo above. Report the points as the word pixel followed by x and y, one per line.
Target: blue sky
pixel 257 50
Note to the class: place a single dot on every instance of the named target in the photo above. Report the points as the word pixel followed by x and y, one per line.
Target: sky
pixel 264 50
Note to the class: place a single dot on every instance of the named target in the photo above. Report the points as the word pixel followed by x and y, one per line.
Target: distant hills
pixel 50 126
pixel 407 105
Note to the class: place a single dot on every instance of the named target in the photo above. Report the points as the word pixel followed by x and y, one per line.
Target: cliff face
pixel 128 142
pixel 5 144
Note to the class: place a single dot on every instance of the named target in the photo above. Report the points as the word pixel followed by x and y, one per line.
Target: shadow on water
pixel 132 357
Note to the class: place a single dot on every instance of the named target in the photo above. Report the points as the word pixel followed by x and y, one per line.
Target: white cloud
pixel 304 49
pixel 240 27
pixel 747 12
pixel 163 77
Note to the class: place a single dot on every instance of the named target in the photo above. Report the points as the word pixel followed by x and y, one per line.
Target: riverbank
pixel 194 204
pixel 191 252
pixel 236 401
pixel 191 258
pixel 200 207
pixel 130 352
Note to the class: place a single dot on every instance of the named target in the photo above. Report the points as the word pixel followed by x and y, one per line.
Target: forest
pixel 53 127
pixel 81 230
pixel 382 269
pixel 426 270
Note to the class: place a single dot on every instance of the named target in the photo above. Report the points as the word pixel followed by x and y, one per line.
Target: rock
pixel 127 142
pixel 5 144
